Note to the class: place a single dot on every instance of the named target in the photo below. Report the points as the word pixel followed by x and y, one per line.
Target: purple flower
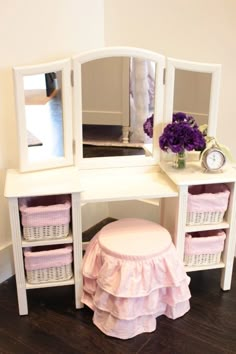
pixel 148 126
pixel 182 134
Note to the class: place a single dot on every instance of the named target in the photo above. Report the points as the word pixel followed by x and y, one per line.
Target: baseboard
pixel 6 262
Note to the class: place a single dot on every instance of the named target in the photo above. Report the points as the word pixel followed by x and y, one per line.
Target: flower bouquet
pixel 180 135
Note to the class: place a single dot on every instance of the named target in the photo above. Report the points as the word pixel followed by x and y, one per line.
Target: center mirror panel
pixel 119 91
pixel 118 95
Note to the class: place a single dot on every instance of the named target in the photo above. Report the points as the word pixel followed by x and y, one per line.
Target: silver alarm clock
pixel 213 159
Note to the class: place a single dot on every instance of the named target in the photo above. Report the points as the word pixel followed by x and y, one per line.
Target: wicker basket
pixel 34 233
pixel 50 265
pixel 45 217
pixel 207 204
pixel 204 248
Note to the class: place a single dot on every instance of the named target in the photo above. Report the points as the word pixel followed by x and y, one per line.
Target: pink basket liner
pixel 205 243
pixel 36 212
pixel 49 258
pixel 208 198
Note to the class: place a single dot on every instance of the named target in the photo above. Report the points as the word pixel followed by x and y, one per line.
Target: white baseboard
pixel 6 262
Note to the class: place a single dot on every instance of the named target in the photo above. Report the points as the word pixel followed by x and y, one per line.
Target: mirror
pixel 192 94
pixel 193 88
pixel 44 116
pixel 118 93
pixel 120 89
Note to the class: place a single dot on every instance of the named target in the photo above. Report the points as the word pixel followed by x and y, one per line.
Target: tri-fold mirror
pixel 90 110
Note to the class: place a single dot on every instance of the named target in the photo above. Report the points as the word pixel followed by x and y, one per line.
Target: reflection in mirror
pixel 43 114
pixel 192 94
pixel 193 88
pixel 118 94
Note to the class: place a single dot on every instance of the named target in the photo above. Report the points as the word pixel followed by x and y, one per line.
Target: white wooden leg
pixel 181 220
pixel 18 259
pixel 77 248
pixel 229 249
pixel 125 134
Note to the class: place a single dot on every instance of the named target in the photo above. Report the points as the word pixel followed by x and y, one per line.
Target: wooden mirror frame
pixel 64 66
pixel 117 161
pixel 213 69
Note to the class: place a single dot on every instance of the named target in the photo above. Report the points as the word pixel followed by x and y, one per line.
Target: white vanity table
pixel 118 178
pixel 170 186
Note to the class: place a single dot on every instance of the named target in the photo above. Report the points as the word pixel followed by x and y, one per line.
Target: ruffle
pixel 131 308
pixel 129 277
pixel 126 328
pixel 121 328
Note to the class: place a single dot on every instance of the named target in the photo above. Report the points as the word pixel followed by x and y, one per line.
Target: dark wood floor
pixel 54 326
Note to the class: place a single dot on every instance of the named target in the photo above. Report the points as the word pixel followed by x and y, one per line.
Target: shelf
pixel 60 241
pixel 50 284
pixel 154 201
pixel 205 227
pixel 193 174
pixel 207 267
pixel 125 186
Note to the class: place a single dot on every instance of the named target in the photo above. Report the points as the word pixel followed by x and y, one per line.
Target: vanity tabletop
pixel 94 185
pixel 194 174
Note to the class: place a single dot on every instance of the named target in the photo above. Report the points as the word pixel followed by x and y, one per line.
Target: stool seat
pixel 131 275
pixel 131 233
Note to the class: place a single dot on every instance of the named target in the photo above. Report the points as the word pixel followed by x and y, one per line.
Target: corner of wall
pixel 6 262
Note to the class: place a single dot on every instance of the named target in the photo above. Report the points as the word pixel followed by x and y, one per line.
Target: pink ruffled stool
pixel 131 275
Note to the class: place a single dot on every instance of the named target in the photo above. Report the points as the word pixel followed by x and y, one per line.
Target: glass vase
pixel 179 160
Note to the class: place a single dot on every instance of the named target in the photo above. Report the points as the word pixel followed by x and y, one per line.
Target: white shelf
pixel 207 267
pixel 193 174
pixel 154 201
pixel 60 241
pixel 50 284
pixel 126 186
pixel 206 227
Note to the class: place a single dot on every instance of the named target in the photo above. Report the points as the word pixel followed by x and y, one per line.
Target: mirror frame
pixel 19 72
pixel 117 161
pixel 214 69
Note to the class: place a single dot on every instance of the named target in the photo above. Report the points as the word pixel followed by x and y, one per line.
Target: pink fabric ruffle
pixel 125 329
pixel 132 278
pixel 128 293
pixel 130 308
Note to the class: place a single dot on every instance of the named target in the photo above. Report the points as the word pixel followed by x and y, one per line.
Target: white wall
pixel 198 30
pixel 35 32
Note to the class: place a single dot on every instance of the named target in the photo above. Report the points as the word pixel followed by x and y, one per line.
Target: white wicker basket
pixel 34 233
pixel 202 259
pixel 48 264
pixel 214 217
pixel 45 217
pixel 52 274
pixel 204 247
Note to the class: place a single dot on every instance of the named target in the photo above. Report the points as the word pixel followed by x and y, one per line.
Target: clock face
pixel 215 159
